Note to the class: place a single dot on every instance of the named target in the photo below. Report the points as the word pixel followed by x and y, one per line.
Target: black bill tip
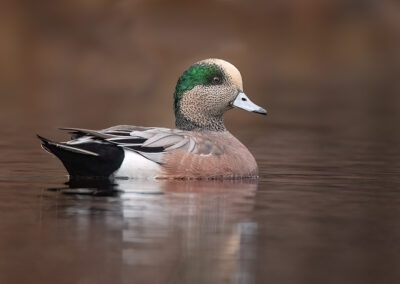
pixel 260 111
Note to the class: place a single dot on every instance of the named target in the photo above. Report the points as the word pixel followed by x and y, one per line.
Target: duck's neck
pixel 199 122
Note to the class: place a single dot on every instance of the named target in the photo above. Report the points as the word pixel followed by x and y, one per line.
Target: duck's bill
pixel 243 102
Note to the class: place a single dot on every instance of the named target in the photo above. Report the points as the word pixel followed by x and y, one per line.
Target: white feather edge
pixel 74 149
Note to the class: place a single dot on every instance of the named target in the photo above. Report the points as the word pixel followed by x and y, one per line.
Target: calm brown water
pixel 326 208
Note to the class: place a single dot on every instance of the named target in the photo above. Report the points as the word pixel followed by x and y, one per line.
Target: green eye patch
pixel 198 74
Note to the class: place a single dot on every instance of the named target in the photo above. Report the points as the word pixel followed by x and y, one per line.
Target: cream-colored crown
pixel 229 68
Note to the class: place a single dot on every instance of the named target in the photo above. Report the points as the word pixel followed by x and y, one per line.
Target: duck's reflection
pixel 170 231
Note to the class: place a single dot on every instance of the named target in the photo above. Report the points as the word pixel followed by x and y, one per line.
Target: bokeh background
pixel 98 63
pixel 326 208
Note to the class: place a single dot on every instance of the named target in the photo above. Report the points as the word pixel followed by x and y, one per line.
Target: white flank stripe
pixel 137 166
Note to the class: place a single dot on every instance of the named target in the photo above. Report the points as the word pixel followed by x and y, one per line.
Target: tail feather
pixel 89 159
pixel 66 147
pixel 44 140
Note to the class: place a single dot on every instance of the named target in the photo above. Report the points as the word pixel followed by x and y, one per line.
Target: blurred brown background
pixel 326 208
pixel 97 63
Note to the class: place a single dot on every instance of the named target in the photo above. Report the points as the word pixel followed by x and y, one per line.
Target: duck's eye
pixel 216 80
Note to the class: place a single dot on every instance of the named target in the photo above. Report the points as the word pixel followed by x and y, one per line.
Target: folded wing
pixel 151 143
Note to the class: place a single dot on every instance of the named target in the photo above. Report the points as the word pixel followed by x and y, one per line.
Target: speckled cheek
pixel 222 95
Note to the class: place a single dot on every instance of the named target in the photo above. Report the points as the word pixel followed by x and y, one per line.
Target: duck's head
pixel 205 91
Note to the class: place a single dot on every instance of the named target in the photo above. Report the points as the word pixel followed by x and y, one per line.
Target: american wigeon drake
pixel 199 147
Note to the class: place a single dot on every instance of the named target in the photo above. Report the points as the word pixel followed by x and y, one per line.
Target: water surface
pixel 324 210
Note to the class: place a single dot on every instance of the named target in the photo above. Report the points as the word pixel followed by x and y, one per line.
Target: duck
pixel 199 147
